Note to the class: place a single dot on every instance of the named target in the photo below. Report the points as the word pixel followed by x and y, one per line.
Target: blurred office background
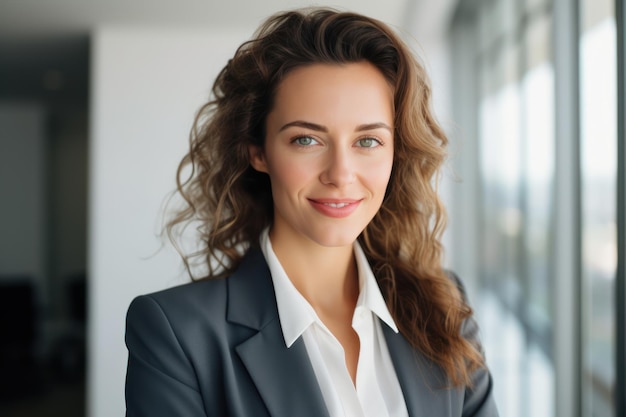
pixel 96 101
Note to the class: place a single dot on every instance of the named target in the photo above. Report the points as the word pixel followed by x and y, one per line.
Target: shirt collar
pixel 370 296
pixel 295 312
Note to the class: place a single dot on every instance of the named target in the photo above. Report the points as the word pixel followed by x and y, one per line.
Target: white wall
pixel 146 87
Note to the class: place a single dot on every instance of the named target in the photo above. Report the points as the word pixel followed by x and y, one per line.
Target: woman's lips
pixel 336 208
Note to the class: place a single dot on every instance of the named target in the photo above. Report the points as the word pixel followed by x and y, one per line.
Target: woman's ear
pixel 257 158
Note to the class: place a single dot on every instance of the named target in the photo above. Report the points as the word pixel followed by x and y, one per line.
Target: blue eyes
pixel 306 141
pixel 368 143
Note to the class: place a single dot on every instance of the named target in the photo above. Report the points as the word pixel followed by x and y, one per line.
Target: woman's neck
pixel 327 277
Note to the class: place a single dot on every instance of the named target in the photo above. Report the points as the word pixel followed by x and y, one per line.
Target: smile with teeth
pixel 336 205
pixel 335 208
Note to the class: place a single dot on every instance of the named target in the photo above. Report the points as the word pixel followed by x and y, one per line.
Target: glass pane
pixel 598 191
pixel 538 88
pixel 500 165
pixel 538 139
pixel 490 22
pixel 532 5
pixel 516 128
pixel 501 172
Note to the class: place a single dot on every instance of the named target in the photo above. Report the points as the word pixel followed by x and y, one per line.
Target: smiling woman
pixel 312 181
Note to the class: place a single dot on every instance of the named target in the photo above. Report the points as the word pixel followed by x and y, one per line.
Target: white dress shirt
pixel 377 392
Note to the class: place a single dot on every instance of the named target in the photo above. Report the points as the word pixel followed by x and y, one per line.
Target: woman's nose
pixel 339 169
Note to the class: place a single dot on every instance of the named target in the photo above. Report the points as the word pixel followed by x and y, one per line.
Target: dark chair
pixel 67 358
pixel 19 367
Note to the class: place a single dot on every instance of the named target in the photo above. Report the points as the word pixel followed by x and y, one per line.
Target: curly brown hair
pixel 232 203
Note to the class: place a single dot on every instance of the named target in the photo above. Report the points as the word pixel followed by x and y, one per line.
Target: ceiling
pixel 44 45
pixel 36 18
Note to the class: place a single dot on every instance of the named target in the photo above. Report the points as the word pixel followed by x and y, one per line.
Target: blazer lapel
pixel 284 377
pixel 423 383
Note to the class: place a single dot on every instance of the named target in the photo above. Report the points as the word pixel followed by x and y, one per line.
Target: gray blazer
pixel 215 348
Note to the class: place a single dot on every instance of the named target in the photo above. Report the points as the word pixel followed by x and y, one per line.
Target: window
pixel 598 154
pixel 525 118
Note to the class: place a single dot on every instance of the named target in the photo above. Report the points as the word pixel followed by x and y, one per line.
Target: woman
pixel 312 184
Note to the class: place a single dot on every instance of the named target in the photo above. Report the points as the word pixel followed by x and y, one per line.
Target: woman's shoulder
pixel 190 293
pixel 205 299
pixel 199 300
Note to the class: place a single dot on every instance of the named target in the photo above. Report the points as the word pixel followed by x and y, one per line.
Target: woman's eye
pixel 305 141
pixel 368 143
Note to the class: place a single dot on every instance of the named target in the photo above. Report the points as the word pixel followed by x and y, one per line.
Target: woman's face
pixel 328 152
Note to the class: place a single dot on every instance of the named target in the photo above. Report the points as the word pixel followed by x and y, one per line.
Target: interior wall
pixel 22 191
pixel 147 85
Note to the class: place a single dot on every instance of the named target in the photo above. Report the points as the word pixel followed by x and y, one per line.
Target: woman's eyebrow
pixel 373 126
pixel 306 125
pixel 320 128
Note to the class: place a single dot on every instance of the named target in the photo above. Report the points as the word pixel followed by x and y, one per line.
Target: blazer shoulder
pixel 176 347
pixel 206 292
pixel 186 306
pixel 208 302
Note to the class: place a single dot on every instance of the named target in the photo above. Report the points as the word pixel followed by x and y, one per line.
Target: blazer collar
pixel 423 383
pixel 251 300
pixel 283 376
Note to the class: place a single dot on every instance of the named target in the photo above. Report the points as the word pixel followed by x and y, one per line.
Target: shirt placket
pixel 367 388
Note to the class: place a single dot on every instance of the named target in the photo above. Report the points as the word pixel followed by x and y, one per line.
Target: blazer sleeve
pixel 478 400
pixel 160 379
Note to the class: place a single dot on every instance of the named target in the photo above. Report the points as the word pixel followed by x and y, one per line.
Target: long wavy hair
pixel 231 203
